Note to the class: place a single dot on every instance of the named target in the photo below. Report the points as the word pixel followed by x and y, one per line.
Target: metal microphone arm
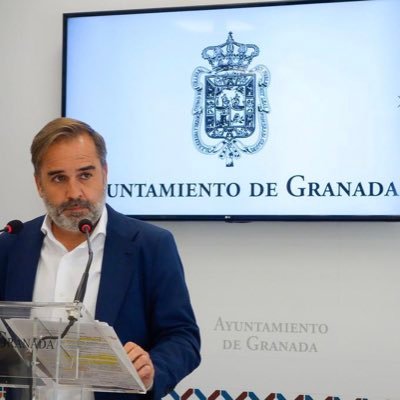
pixel 80 292
pixel 86 227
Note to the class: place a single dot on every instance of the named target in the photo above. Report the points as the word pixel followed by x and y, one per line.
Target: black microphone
pixel 13 227
pixel 86 227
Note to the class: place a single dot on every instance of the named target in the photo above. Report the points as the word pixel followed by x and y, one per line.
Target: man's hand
pixel 142 362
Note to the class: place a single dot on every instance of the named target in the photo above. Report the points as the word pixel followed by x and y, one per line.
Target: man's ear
pixel 38 185
pixel 105 172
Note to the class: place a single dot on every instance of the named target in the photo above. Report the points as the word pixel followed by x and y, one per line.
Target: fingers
pixel 142 362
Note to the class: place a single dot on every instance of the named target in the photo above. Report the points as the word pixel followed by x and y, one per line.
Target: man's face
pixel 72 182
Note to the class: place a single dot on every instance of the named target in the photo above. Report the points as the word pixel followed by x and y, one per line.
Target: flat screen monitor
pixel 262 111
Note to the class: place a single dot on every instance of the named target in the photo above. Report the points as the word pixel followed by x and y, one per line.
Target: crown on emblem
pixel 230 55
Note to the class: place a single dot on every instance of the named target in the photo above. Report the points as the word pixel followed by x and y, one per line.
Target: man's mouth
pixel 74 208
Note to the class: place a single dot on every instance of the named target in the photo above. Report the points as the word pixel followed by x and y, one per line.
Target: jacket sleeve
pixel 175 342
pixel 5 245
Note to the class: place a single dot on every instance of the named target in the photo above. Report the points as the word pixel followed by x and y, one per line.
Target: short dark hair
pixel 64 128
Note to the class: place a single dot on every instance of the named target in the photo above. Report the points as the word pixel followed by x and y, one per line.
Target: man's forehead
pixel 80 146
pixel 74 153
pixel 77 159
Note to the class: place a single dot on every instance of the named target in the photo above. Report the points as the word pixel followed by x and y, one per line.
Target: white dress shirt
pixel 60 271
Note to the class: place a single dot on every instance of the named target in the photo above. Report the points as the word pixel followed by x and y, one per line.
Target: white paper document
pixel 90 355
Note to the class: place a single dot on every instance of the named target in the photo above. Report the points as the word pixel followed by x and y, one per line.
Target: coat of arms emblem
pixel 230 104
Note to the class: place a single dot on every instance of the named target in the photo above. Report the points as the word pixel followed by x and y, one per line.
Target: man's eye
pixel 85 175
pixel 58 178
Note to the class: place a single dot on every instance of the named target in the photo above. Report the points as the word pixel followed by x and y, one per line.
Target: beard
pixel 71 222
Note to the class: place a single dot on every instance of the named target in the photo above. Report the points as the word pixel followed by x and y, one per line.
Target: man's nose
pixel 74 189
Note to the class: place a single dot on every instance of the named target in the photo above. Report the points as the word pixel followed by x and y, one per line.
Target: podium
pixel 51 350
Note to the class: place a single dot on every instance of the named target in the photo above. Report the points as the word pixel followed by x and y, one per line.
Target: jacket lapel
pixel 117 268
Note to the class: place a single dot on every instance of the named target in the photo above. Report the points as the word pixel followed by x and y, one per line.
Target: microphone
pixel 86 227
pixel 13 227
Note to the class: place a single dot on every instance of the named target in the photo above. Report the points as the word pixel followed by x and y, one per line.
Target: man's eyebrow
pixel 88 168
pixel 61 171
pixel 55 172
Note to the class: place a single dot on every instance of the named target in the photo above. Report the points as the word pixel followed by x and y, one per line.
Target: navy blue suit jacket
pixel 142 293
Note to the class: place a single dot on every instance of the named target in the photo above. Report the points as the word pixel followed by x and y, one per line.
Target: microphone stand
pixel 81 291
pixel 85 226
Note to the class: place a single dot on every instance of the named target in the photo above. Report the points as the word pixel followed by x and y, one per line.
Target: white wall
pixel 344 274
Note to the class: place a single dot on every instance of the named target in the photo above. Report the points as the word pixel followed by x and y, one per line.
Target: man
pixel 136 282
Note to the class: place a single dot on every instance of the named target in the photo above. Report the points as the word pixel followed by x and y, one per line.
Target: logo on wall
pixel 230 104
